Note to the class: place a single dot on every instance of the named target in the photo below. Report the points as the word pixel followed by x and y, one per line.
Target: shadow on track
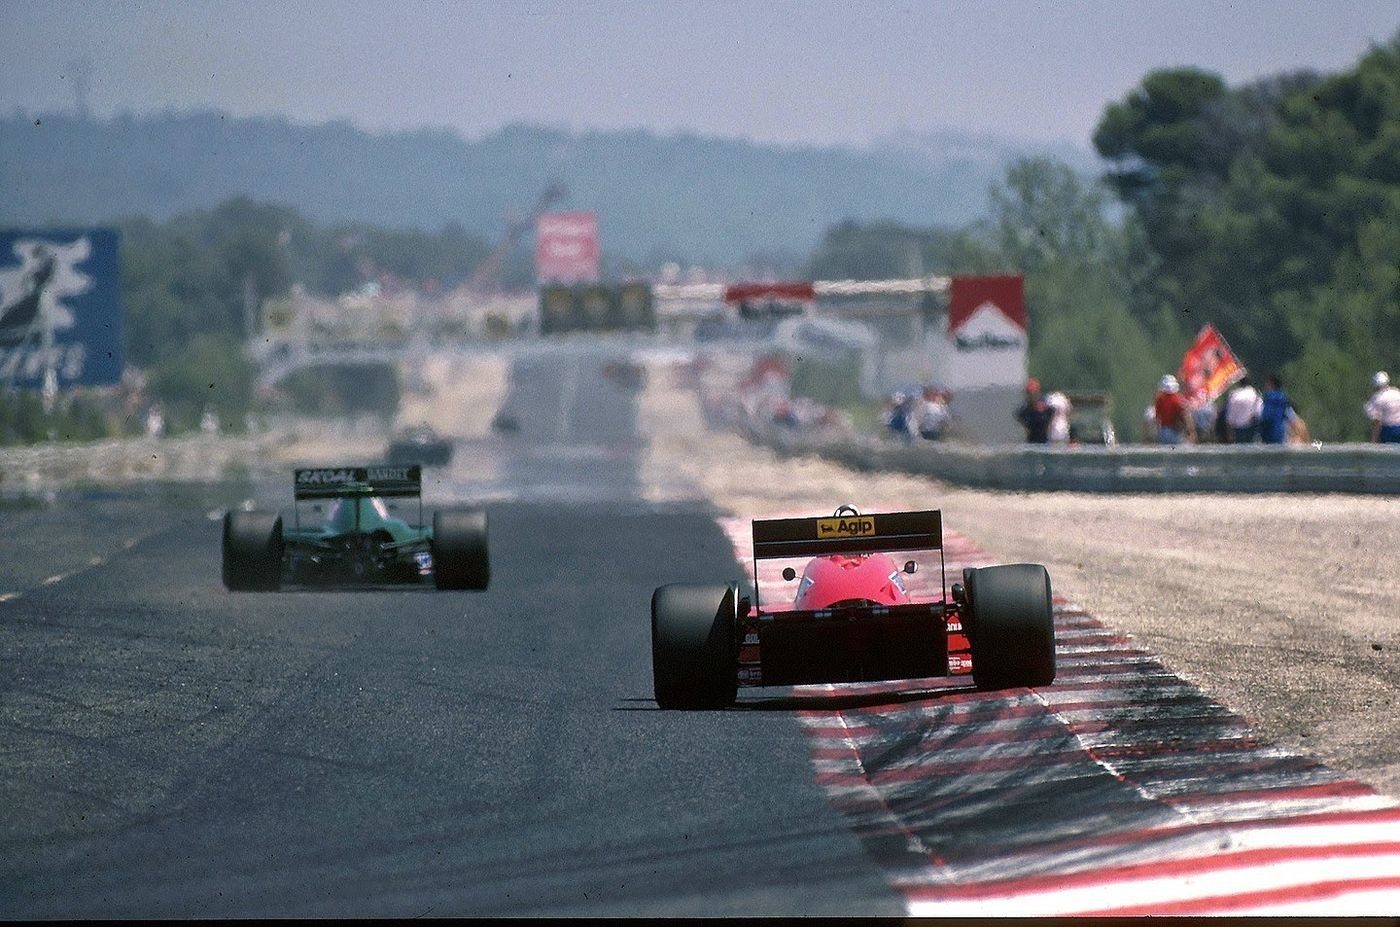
pixel 820 701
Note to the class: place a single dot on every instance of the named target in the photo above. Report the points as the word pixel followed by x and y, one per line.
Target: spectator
pixel 933 415
pixel 1060 408
pixel 1174 422
pixel 1222 428
pixel 1298 430
pixel 155 421
pixel 1149 424
pixel 1203 418
pixel 1242 408
pixel 898 418
pixel 1383 409
pixel 1276 412
pixel 1034 415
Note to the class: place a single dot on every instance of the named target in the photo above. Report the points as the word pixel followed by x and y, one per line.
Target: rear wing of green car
pixel 347 482
pixel 338 482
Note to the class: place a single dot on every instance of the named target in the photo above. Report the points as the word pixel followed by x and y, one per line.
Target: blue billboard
pixel 60 307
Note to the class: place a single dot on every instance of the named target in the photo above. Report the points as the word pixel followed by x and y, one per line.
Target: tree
pixel 1082 273
pixel 884 250
pixel 1270 209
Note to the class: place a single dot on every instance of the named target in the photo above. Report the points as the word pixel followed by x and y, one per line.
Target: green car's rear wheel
pixel 460 559
pixel 252 551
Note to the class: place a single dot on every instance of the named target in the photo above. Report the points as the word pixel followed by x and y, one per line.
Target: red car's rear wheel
pixel 1010 625
pixel 694 657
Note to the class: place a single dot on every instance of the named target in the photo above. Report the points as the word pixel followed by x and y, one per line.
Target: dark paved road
pixel 173 749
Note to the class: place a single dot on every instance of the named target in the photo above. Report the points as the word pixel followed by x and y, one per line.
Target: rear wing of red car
pixel 780 538
pixel 847 534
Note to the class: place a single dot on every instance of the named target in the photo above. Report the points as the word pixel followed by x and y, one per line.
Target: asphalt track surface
pixel 171 749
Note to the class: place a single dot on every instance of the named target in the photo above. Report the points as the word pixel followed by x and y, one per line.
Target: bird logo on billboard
pixel 33 295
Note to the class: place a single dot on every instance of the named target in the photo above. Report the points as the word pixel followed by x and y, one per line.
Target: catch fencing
pixel 1345 468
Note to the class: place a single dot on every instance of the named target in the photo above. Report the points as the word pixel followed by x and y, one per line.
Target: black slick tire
pixel 460 559
pixel 694 656
pixel 1011 626
pixel 252 551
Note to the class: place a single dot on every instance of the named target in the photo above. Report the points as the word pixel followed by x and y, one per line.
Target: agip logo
pixel 855 526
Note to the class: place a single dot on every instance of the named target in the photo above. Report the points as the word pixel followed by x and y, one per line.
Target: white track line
pixel 57 578
pixel 1122 890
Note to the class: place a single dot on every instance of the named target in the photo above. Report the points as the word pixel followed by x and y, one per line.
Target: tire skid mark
pixel 1122 789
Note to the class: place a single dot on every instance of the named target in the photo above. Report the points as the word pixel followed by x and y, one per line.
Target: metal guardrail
pixel 1345 468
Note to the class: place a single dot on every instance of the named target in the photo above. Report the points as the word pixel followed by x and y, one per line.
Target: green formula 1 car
pixel 355 537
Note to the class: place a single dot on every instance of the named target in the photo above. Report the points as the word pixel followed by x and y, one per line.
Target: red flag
pixel 1208 367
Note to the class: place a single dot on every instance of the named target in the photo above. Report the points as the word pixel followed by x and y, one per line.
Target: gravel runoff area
pixel 1283 606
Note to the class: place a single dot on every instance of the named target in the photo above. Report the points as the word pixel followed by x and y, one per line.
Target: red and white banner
pixel 987 337
pixel 972 296
pixel 1208 367
pixel 566 247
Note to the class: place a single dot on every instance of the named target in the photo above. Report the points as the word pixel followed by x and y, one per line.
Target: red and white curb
pixel 1122 789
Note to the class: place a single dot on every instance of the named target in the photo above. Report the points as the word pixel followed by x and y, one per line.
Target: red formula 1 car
pixel 857 614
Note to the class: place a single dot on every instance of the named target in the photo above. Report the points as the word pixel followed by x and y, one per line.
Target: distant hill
pixel 674 196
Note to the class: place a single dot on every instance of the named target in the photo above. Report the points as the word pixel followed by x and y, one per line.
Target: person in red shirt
pixel 1174 422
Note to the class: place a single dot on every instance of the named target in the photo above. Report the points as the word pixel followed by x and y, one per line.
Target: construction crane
pixel 487 276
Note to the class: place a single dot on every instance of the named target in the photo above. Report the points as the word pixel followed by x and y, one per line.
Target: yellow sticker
pixel 853 527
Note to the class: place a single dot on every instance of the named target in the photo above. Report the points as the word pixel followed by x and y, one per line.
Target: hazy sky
pixel 773 71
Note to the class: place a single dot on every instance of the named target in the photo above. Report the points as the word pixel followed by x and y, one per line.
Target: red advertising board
pixel 969 294
pixel 986 338
pixel 566 247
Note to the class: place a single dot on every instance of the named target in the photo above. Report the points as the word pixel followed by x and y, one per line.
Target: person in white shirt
pixel 933 414
pixel 1060 409
pixel 1383 409
pixel 155 421
pixel 1242 408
